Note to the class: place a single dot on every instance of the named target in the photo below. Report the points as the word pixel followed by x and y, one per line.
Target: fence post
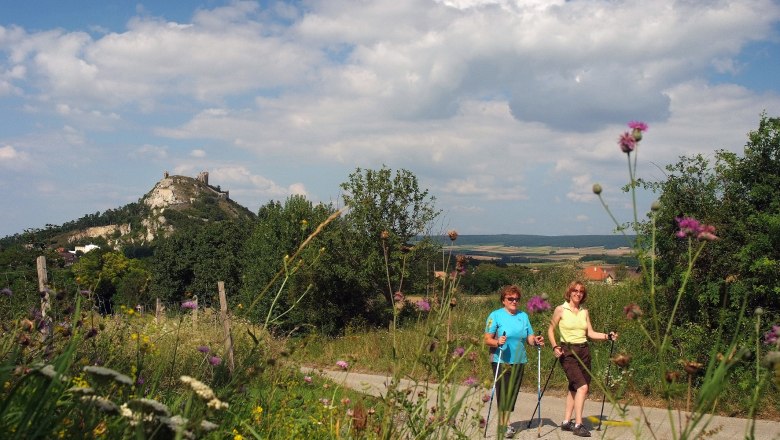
pixel 226 324
pixel 43 279
pixel 195 313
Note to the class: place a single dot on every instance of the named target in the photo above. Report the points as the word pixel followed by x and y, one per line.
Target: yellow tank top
pixel 573 326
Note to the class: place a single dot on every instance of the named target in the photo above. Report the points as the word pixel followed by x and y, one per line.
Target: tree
pixel 738 195
pixel 387 211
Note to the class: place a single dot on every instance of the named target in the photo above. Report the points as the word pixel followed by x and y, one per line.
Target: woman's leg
pixel 567 415
pixel 579 403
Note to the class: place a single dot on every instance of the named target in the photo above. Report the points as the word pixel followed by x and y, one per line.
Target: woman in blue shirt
pixel 506 330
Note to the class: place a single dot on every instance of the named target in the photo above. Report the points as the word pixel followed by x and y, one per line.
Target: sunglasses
pixel 514 299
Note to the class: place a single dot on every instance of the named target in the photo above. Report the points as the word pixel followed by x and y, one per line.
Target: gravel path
pixel 635 424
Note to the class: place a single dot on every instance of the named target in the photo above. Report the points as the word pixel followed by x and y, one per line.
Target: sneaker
pixel 510 432
pixel 581 431
pixel 568 426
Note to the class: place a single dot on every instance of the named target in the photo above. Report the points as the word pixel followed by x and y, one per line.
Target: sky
pixel 507 111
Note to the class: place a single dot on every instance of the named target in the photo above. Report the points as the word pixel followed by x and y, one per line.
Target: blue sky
pixel 506 111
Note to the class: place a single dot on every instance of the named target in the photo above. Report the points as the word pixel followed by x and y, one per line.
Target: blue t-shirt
pixel 517 328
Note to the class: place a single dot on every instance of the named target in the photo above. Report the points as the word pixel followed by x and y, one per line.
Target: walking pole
pixel 606 382
pixel 555 362
pixel 493 390
pixel 539 388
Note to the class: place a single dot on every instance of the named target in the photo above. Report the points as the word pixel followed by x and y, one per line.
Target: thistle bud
pixel 655 206
pixel 596 189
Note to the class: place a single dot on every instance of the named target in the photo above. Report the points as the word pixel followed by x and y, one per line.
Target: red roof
pixel 594 273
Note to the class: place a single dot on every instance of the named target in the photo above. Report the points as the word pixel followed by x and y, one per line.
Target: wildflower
pixel 632 311
pixel 342 364
pixel 100 429
pixel 453 234
pixel 384 235
pixel 217 404
pixel 636 129
pixel 707 232
pixel 257 413
pixel 345 401
pixel 460 264
pixel 350 412
pixel 627 142
pixel 470 381
pixel 107 373
pixel 621 360
pixel 692 367
pixel 237 436
pixel 307 379
pixel 486 397
pixel 689 226
pixel 458 352
pixel 596 189
pixel 203 349
pixel 102 404
pixel 453 302
pixel 482 422
pixel 398 296
pixel 7 292
pixel 49 371
pixel 672 376
pixel 771 337
pixel 215 360
pixel 91 333
pixel 537 304
pixel 147 406
pixel 190 305
pixel 208 426
pixel 423 305
pixel 200 388
pixel 759 311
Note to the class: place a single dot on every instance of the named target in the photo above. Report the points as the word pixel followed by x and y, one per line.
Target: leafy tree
pixel 193 259
pixel 277 235
pixel 738 195
pixel 386 211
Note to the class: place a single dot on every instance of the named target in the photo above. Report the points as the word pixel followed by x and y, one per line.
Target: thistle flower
pixel 458 352
pixel 627 142
pixel 423 305
pixel 471 381
pixel 636 129
pixel 460 264
pixel 632 311
pixel 537 304
pixel 772 336
pixel 345 401
pixel 453 234
pixel 672 376
pixel 189 305
pixel 7 292
pixel 398 296
pixel 692 367
pixel 384 235
pixel 215 360
pixel 486 397
pixel 307 379
pixel 622 360
pixel 204 349
pixel 342 364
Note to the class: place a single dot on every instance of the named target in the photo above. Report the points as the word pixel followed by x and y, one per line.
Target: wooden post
pixel 158 310
pixel 195 313
pixel 43 279
pixel 226 324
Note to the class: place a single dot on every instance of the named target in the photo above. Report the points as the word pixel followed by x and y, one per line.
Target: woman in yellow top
pixel 573 323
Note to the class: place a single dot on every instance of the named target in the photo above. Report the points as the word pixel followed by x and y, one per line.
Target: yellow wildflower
pixel 100 429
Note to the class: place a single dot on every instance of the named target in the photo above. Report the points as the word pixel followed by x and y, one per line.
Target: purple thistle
pixel 637 125
pixel 772 336
pixel 470 381
pixel 203 349
pixel 423 306
pixel 307 379
pixel 690 227
pixel 190 305
pixel 537 304
pixel 7 292
pixel 215 360
pixel 342 364
pixel 458 352
pixel 627 142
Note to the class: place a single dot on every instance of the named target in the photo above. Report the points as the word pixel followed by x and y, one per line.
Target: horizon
pixel 506 126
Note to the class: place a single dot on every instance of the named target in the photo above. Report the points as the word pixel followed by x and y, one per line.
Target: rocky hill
pixel 174 202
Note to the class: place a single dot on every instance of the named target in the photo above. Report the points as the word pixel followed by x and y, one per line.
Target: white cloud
pixel 198 153
pixel 152 152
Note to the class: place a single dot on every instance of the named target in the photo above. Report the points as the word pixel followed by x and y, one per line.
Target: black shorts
pixel 508 385
pixel 576 364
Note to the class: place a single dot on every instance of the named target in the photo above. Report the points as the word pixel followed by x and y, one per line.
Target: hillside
pixel 173 203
